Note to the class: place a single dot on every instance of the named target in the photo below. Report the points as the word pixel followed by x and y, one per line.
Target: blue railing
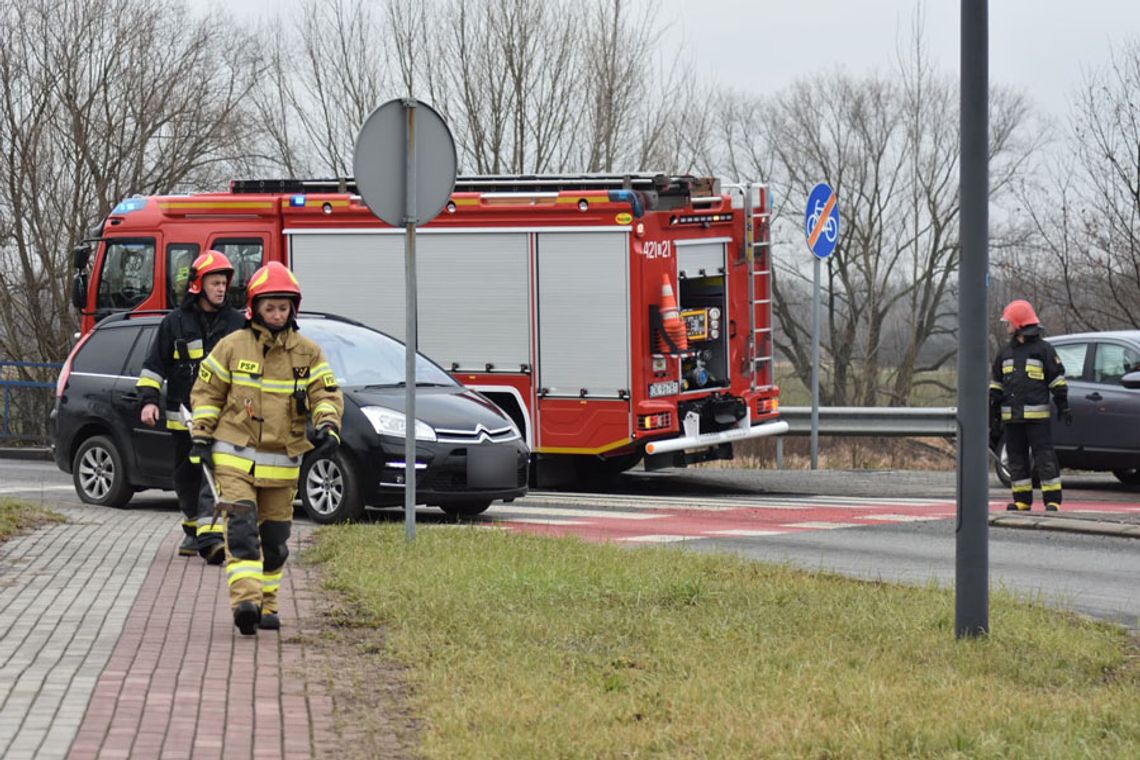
pixel 7 369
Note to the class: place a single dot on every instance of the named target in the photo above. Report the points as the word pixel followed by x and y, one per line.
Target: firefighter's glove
pixel 995 436
pixel 326 440
pixel 201 452
pixel 1063 414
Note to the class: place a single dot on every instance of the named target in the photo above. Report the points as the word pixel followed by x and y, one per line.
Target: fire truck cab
pixel 544 293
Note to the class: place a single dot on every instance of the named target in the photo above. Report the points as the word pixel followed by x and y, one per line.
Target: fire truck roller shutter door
pixel 474 299
pixel 354 274
pixel 583 313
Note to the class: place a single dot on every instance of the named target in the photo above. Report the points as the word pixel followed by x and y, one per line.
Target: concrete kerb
pixel 1100 525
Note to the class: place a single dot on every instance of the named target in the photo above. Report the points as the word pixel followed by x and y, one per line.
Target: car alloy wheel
pixel 325 486
pixel 329 490
pixel 99 475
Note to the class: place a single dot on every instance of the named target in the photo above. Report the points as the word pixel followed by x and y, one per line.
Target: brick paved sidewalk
pixel 111 646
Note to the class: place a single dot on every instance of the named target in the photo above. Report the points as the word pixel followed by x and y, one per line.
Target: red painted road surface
pixel 646 524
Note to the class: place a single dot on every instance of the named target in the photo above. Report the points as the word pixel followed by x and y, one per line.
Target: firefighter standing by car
pixel 1025 373
pixel 254 394
pixel 185 336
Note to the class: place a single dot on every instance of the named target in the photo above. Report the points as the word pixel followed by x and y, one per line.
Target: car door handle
pixel 129 397
pixel 1094 396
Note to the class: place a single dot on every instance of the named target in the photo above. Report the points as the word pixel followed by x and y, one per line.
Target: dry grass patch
pixel 20 516
pixel 520 646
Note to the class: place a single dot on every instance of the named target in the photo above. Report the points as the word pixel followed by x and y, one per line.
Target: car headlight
pixel 388 422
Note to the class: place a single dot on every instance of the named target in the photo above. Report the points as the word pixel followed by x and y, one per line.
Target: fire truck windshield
pixel 127 276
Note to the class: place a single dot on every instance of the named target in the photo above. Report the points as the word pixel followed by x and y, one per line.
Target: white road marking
pixel 901 518
pixel 525 511
pixel 659 539
pixel 743 532
pixel 541 521
pixel 821 525
pixel 722 503
pixel 33 488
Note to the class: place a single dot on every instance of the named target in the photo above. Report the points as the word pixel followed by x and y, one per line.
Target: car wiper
pixel 424 383
pixel 397 384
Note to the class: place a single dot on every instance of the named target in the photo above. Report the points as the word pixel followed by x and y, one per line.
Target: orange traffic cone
pixel 671 318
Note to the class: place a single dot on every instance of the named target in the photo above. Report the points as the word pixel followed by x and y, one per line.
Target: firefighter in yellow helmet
pixel 185 336
pixel 1025 373
pixel 254 394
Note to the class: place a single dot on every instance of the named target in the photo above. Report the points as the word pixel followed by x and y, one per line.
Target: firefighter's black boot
pixel 246 617
pixel 188 547
pixel 214 553
pixel 269 621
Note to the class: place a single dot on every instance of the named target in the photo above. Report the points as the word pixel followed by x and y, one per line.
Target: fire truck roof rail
pixel 675 186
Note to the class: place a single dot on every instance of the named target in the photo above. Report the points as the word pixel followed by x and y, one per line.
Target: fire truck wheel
pixel 99 475
pixel 330 490
pixel 465 508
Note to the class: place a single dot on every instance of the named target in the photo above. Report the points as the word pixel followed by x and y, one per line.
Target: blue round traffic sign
pixel 821 220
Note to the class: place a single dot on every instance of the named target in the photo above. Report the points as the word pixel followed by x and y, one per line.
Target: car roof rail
pixel 331 316
pixel 124 316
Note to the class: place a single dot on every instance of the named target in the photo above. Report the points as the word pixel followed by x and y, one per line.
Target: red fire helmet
pixel 210 262
pixel 1019 314
pixel 273 279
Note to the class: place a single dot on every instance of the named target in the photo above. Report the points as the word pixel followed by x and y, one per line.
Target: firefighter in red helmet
pixel 185 336
pixel 254 395
pixel 1025 373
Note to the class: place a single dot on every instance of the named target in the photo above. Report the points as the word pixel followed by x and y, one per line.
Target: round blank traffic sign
pixel 379 162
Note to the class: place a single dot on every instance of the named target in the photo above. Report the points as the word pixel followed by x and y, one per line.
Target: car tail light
pixel 65 371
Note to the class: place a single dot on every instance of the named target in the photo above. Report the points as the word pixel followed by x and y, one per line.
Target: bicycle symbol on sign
pixel 830 227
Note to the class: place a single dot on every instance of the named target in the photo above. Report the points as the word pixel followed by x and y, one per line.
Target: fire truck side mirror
pixel 80 255
pixel 79 291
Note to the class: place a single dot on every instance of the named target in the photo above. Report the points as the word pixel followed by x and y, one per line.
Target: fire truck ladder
pixel 661 191
pixel 759 294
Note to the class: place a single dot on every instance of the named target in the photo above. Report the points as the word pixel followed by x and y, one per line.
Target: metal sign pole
pixel 404 186
pixel 815 320
pixel 821 228
pixel 410 324
pixel 972 558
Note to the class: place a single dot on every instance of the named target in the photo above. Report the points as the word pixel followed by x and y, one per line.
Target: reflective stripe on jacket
pixel 185 336
pixel 1024 376
pixel 255 391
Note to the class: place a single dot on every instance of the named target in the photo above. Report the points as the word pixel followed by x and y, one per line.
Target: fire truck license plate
pixel 669 388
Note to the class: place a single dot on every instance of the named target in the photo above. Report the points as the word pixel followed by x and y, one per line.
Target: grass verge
pixel 521 646
pixel 19 516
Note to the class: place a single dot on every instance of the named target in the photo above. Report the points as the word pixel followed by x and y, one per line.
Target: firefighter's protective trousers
pixel 1020 440
pixel 256 540
pixel 194 498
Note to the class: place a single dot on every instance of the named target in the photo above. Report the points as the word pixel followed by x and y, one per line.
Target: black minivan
pixel 468 451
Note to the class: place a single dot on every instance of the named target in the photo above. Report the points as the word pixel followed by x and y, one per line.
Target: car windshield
pixel 361 356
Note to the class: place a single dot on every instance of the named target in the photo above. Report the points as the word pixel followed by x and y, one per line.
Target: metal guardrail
pixel 9 385
pixel 877 421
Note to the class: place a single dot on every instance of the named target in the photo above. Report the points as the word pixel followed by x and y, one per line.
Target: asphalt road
pixel 1095 575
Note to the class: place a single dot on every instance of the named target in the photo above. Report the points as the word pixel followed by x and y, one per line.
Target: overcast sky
pixel 1039 46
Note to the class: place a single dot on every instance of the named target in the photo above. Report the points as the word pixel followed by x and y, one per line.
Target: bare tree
pixel 1087 212
pixel 889 146
pixel 101 99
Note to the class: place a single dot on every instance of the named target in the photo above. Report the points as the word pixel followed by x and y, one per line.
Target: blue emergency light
pixel 297 200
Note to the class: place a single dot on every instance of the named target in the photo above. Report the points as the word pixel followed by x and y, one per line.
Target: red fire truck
pixel 542 292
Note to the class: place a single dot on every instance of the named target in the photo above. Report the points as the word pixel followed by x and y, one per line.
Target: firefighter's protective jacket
pixel 185 336
pixel 255 391
pixel 1023 376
